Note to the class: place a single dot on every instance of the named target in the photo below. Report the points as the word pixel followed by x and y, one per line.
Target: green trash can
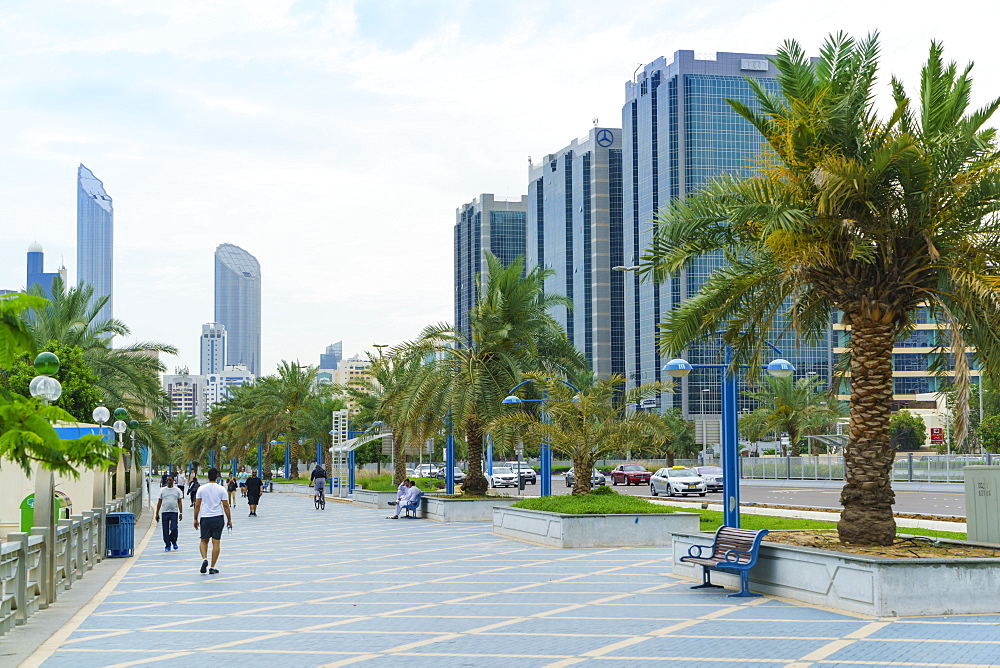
pixel 119 535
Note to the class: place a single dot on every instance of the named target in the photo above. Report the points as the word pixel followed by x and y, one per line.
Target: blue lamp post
pixel 449 456
pixel 778 368
pixel 545 456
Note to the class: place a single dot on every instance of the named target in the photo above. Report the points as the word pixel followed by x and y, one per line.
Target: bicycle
pixel 320 499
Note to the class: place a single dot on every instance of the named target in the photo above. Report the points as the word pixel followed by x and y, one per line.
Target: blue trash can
pixel 119 535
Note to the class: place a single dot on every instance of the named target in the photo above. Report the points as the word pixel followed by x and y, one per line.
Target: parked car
pixel 596 478
pixel 425 471
pixel 677 480
pixel 712 475
pixel 503 477
pixel 630 474
pixel 459 475
pixel 411 473
pixel 528 473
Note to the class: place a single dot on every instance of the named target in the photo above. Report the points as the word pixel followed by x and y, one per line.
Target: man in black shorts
pixel 254 487
pixel 210 505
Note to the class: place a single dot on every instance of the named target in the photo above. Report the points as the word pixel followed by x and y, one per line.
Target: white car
pixel 425 471
pixel 529 474
pixel 677 480
pixel 503 477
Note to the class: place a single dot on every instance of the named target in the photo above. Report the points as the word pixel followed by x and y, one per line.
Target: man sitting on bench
pixel 409 500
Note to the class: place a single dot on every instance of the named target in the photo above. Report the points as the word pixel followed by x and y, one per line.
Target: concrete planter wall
pixel 461 510
pixel 869 585
pixel 367 498
pixel 572 531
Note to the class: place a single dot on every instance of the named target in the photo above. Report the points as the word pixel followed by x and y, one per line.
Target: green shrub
pixel 383 483
pixel 601 501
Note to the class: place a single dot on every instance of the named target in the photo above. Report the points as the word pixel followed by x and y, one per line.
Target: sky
pixel 334 140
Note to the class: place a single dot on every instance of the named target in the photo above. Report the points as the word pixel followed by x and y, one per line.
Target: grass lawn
pixel 606 501
pixel 383 483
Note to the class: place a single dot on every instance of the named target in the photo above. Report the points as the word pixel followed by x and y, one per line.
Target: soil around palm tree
pixel 903 547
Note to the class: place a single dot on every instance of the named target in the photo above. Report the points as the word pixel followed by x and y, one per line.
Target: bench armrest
pixel 733 556
pixel 696 550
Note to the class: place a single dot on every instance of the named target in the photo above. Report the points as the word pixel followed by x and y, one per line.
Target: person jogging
pixel 210 506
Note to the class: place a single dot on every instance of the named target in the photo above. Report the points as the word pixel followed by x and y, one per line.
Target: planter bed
pixel 462 510
pixel 573 531
pixel 876 586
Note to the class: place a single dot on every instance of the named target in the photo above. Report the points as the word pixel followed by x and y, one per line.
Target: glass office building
pixel 94 237
pixel 237 305
pixel 679 131
pixel 36 270
pixel 575 229
pixel 484 224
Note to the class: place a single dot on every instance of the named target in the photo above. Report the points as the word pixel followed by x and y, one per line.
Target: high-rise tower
pixel 678 132
pixel 213 348
pixel 575 228
pixel 237 304
pixel 36 270
pixel 94 237
pixel 484 224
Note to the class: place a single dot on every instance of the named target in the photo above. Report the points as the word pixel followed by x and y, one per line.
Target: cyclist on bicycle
pixel 318 478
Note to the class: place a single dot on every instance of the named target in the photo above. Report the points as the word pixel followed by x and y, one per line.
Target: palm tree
pixel 586 424
pixel 127 376
pixel 512 333
pixel 853 214
pixel 794 407
pixel 679 437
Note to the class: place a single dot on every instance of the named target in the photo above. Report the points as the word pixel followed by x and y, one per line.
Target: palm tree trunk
pixel 399 445
pixel 475 482
pixel 867 496
pixel 582 470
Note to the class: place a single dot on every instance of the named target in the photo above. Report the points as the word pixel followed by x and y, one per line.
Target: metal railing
pixel 35 567
pixel 914 467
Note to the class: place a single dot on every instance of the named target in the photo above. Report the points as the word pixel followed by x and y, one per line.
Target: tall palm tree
pixel 853 214
pixel 586 424
pixel 794 407
pixel 512 333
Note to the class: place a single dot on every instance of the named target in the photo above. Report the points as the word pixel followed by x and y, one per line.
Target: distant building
pixel 679 131
pixel 484 224
pixel 574 227
pixel 36 270
pixel 352 373
pixel 331 358
pixel 95 238
pixel 213 348
pixel 237 304
pixel 219 386
pixel 186 392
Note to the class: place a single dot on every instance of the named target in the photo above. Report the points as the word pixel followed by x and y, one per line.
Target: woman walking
pixel 231 486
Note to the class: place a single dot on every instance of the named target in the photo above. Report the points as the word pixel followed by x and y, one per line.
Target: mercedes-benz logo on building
pixel 605 138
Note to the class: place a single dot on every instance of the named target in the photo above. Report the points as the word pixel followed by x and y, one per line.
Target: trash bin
pixel 119 532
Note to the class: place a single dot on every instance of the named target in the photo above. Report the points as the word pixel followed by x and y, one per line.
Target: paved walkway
pixel 344 586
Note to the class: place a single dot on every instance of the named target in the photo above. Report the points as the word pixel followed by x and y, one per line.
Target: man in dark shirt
pixel 254 487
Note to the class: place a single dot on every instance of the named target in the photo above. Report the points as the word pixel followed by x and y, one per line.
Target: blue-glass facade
pixel 237 305
pixel 679 133
pixel 36 270
pixel 95 237
pixel 484 224
pixel 574 228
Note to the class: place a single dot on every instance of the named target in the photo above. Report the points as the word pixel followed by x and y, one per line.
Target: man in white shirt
pixel 210 504
pixel 409 497
pixel 171 508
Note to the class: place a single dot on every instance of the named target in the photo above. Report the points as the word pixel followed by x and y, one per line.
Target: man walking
pixel 254 487
pixel 171 508
pixel 211 504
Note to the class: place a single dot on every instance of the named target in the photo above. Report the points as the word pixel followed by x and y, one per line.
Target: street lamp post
pixel 48 389
pixel 545 456
pixel 779 368
pixel 704 426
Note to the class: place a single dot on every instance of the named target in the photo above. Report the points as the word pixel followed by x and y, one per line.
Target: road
pixel 919 498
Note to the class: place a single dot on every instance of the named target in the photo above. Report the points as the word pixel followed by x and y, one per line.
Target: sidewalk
pixel 344 586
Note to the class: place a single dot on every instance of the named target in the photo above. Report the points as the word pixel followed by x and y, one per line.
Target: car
pixel 459 475
pixel 503 477
pixel 596 478
pixel 411 473
pixel 677 480
pixel 425 471
pixel 528 473
pixel 712 475
pixel 630 474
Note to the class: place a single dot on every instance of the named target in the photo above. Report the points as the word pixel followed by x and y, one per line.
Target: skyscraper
pixel 331 358
pixel 213 348
pixel 36 270
pixel 574 227
pixel 484 224
pixel 679 131
pixel 94 237
pixel 237 304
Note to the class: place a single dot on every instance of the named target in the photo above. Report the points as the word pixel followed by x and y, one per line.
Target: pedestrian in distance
pixel 210 506
pixel 170 508
pixel 242 480
pixel 231 487
pixel 193 485
pixel 254 487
